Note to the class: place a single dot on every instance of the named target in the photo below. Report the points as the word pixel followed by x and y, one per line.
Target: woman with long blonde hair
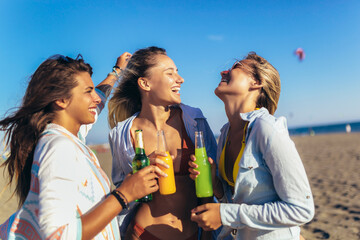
pixel 148 98
pixel 262 184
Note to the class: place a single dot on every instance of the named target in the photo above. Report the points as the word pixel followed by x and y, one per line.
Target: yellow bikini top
pixel 236 164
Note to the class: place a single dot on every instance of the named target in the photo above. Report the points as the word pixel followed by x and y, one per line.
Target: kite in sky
pixel 300 54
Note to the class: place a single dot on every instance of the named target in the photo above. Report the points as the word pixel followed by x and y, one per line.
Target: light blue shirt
pixel 123 150
pixel 272 195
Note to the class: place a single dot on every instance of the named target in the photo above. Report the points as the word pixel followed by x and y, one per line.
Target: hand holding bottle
pixel 140 160
pixel 217 186
pixel 155 158
pixel 193 166
pixel 141 183
pixel 202 173
pixel 166 184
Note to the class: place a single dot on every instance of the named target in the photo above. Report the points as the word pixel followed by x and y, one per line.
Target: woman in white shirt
pixel 63 192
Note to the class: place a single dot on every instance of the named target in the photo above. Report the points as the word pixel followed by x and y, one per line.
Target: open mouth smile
pixel 92 110
pixel 176 90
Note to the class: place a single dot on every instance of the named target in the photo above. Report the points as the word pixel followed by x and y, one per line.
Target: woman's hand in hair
pixel 141 183
pixel 123 60
pixel 107 84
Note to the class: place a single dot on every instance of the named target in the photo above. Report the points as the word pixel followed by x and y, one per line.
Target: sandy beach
pixel 332 162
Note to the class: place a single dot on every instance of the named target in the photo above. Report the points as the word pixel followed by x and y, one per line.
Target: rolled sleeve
pixel 230 215
pixel 269 216
pixel 103 98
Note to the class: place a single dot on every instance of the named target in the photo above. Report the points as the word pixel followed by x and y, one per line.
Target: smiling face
pixel 234 82
pixel 251 81
pixel 81 107
pixel 163 82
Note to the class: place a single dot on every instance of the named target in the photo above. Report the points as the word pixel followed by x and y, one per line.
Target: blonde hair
pixel 263 72
pixel 126 99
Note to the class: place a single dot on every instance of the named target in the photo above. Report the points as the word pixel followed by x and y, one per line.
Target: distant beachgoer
pixel 262 184
pixel 311 132
pixel 63 192
pixel 348 128
pixel 148 98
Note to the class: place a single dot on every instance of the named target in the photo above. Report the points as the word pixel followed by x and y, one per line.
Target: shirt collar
pixel 248 116
pixel 251 116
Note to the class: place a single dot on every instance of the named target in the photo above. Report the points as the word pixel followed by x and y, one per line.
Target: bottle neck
pixel 139 151
pixel 139 143
pixel 199 140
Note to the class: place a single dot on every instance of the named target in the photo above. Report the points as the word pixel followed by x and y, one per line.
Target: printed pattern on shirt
pixel 92 188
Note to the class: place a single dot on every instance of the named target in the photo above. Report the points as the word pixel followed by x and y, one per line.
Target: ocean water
pixel 323 129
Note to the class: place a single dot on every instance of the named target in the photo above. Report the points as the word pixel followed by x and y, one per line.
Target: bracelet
pixel 114 70
pixel 123 196
pixel 119 196
pixel 117 67
pixel 115 74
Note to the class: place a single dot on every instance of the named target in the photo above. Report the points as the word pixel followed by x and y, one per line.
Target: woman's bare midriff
pixel 169 215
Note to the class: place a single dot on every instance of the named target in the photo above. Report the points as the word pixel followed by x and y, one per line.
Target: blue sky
pixel 203 38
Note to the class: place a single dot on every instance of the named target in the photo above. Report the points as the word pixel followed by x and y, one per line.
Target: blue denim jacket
pixel 123 150
pixel 272 195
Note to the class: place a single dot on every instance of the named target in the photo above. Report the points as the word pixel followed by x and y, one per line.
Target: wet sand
pixel 332 162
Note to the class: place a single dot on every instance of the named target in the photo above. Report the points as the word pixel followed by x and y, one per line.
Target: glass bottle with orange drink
pixel 166 184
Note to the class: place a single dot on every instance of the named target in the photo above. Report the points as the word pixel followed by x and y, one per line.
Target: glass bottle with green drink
pixel 140 160
pixel 203 182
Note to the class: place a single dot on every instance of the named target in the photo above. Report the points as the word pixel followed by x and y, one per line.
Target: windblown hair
pixel 53 80
pixel 263 72
pixel 126 99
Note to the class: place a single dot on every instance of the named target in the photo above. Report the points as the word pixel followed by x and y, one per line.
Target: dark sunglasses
pixel 235 65
pixel 66 59
pixel 227 72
